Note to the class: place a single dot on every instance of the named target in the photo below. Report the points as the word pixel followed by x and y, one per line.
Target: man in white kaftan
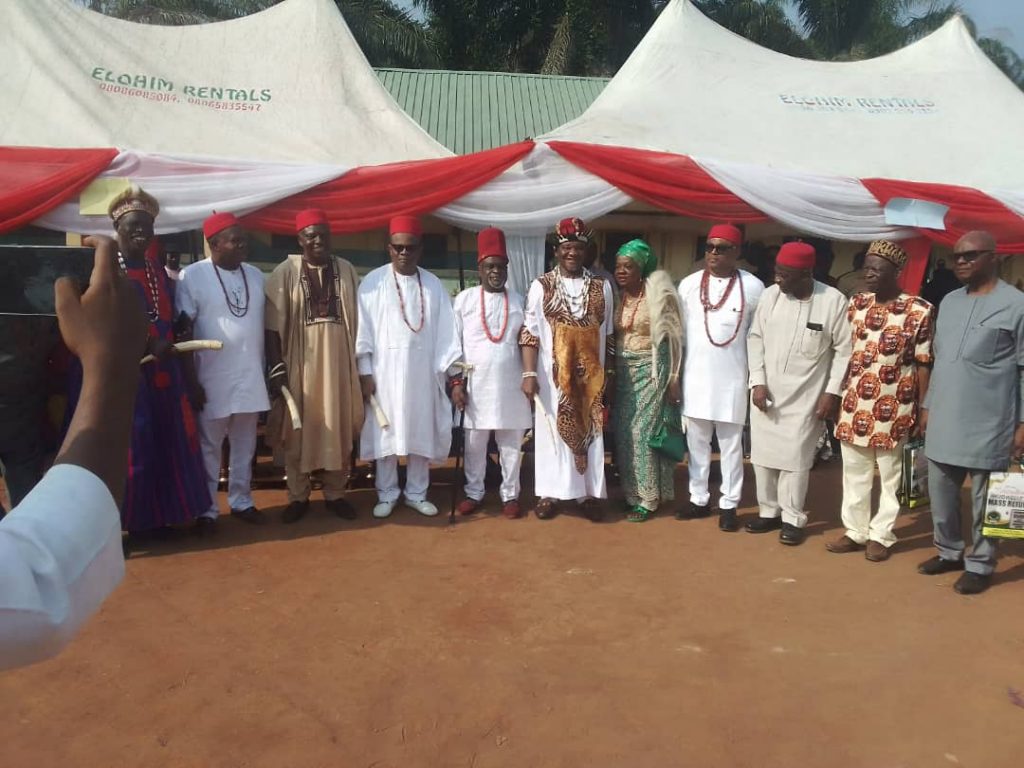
pixel 718 307
pixel 223 298
pixel 488 319
pixel 798 349
pixel 566 338
pixel 405 349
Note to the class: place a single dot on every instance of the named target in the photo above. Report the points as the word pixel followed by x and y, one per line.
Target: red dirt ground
pixel 529 643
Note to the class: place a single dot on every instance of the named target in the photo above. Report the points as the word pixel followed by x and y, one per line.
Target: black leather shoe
pixel 764 524
pixel 206 526
pixel 250 515
pixel 972 583
pixel 592 509
pixel 727 520
pixel 295 512
pixel 791 535
pixel 342 509
pixel 694 512
pixel 937 565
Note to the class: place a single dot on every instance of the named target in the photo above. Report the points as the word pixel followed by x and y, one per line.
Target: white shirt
pixel 60 556
pixel 496 399
pixel 233 376
pixel 715 378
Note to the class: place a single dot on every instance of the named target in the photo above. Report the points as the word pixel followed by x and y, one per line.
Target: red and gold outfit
pixel 879 405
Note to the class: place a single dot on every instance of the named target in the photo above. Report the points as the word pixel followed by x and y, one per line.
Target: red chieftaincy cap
pixel 796 256
pixel 405 225
pixel 491 242
pixel 310 217
pixel 726 232
pixel 217 223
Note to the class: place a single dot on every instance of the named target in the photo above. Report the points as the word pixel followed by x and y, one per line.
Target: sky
pixel 1001 19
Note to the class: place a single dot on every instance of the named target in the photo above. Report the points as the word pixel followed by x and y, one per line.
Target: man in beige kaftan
pixel 797 351
pixel 311 321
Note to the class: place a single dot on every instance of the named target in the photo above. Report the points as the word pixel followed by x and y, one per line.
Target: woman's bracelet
pixel 529 374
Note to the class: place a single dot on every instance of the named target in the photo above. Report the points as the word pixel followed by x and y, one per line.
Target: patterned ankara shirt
pixel 880 398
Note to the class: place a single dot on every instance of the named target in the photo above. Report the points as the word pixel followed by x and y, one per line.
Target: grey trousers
pixel 944 484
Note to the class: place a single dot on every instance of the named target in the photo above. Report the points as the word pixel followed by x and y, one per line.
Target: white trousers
pixel 240 430
pixel 858 477
pixel 730 444
pixel 510 443
pixel 417 478
pixel 782 492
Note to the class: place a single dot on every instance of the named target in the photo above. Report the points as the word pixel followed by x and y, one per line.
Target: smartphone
pixel 28 272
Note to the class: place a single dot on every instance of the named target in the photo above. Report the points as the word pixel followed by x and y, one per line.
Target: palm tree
pixel 388 35
pixel 761 21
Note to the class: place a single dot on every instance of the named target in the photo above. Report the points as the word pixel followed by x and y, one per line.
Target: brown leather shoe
pixel 510 509
pixel 468 506
pixel 843 544
pixel 876 552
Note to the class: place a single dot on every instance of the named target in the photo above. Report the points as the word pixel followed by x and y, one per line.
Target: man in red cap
pixel 488 319
pixel 406 349
pixel 718 306
pixel 567 338
pixel 798 349
pixel 311 333
pixel 222 297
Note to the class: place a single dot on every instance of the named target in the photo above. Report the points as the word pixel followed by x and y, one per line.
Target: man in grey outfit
pixel 974 406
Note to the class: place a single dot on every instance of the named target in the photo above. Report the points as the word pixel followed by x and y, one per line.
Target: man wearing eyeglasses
pixel 718 306
pixel 311 335
pixel 974 406
pixel 406 348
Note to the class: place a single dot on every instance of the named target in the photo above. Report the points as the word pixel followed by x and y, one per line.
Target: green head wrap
pixel 641 253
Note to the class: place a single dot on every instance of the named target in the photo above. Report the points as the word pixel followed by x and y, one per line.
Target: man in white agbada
pixel 567 337
pixel 223 299
pixel 718 307
pixel 798 349
pixel 405 349
pixel 488 319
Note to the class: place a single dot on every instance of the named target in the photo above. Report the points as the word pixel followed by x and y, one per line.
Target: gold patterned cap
pixel 890 251
pixel 133 199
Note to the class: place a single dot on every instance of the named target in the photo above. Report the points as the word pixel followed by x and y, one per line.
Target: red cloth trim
pixel 968 209
pixel 671 182
pixel 367 197
pixel 35 180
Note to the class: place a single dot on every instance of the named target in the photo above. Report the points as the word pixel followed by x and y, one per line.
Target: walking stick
pixel 460 448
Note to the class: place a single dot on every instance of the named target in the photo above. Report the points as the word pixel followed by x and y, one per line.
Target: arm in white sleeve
pixel 60 557
pixel 365 333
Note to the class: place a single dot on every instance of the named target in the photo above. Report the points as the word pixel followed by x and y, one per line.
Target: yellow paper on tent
pixel 95 198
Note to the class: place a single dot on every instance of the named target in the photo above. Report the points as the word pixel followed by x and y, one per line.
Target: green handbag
pixel 669 440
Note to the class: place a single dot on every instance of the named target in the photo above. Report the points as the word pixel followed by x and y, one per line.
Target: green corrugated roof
pixel 473 111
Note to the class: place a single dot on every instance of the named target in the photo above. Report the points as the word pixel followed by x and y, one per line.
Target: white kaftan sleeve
pixel 842 347
pixel 366 333
pixel 533 316
pixel 60 557
pixel 459 325
pixel 184 301
pixel 755 345
pixel 449 341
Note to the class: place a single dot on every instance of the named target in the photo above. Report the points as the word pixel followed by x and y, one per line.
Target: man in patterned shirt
pixel 886 380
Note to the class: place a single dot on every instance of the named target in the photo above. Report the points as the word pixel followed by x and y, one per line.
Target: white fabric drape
pixel 533 196
pixel 525 261
pixel 190 188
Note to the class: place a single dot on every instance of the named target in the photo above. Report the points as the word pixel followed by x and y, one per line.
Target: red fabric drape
pixel 672 182
pixel 918 250
pixel 367 197
pixel 35 180
pixel 968 209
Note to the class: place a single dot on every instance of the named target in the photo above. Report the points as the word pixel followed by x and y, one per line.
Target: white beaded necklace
pixel 576 304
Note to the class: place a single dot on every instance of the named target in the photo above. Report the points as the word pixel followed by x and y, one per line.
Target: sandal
pixel 639 514
pixel 545 509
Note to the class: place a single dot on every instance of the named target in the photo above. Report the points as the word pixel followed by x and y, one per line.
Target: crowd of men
pixel 373 368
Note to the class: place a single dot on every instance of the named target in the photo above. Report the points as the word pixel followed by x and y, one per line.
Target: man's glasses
pixel 403 247
pixel 969 256
pixel 718 248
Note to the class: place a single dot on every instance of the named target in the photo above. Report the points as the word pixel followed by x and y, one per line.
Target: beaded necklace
pixel 576 304
pixel 154 287
pixel 483 318
pixel 236 308
pixel 401 301
pixel 705 301
pixel 636 308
